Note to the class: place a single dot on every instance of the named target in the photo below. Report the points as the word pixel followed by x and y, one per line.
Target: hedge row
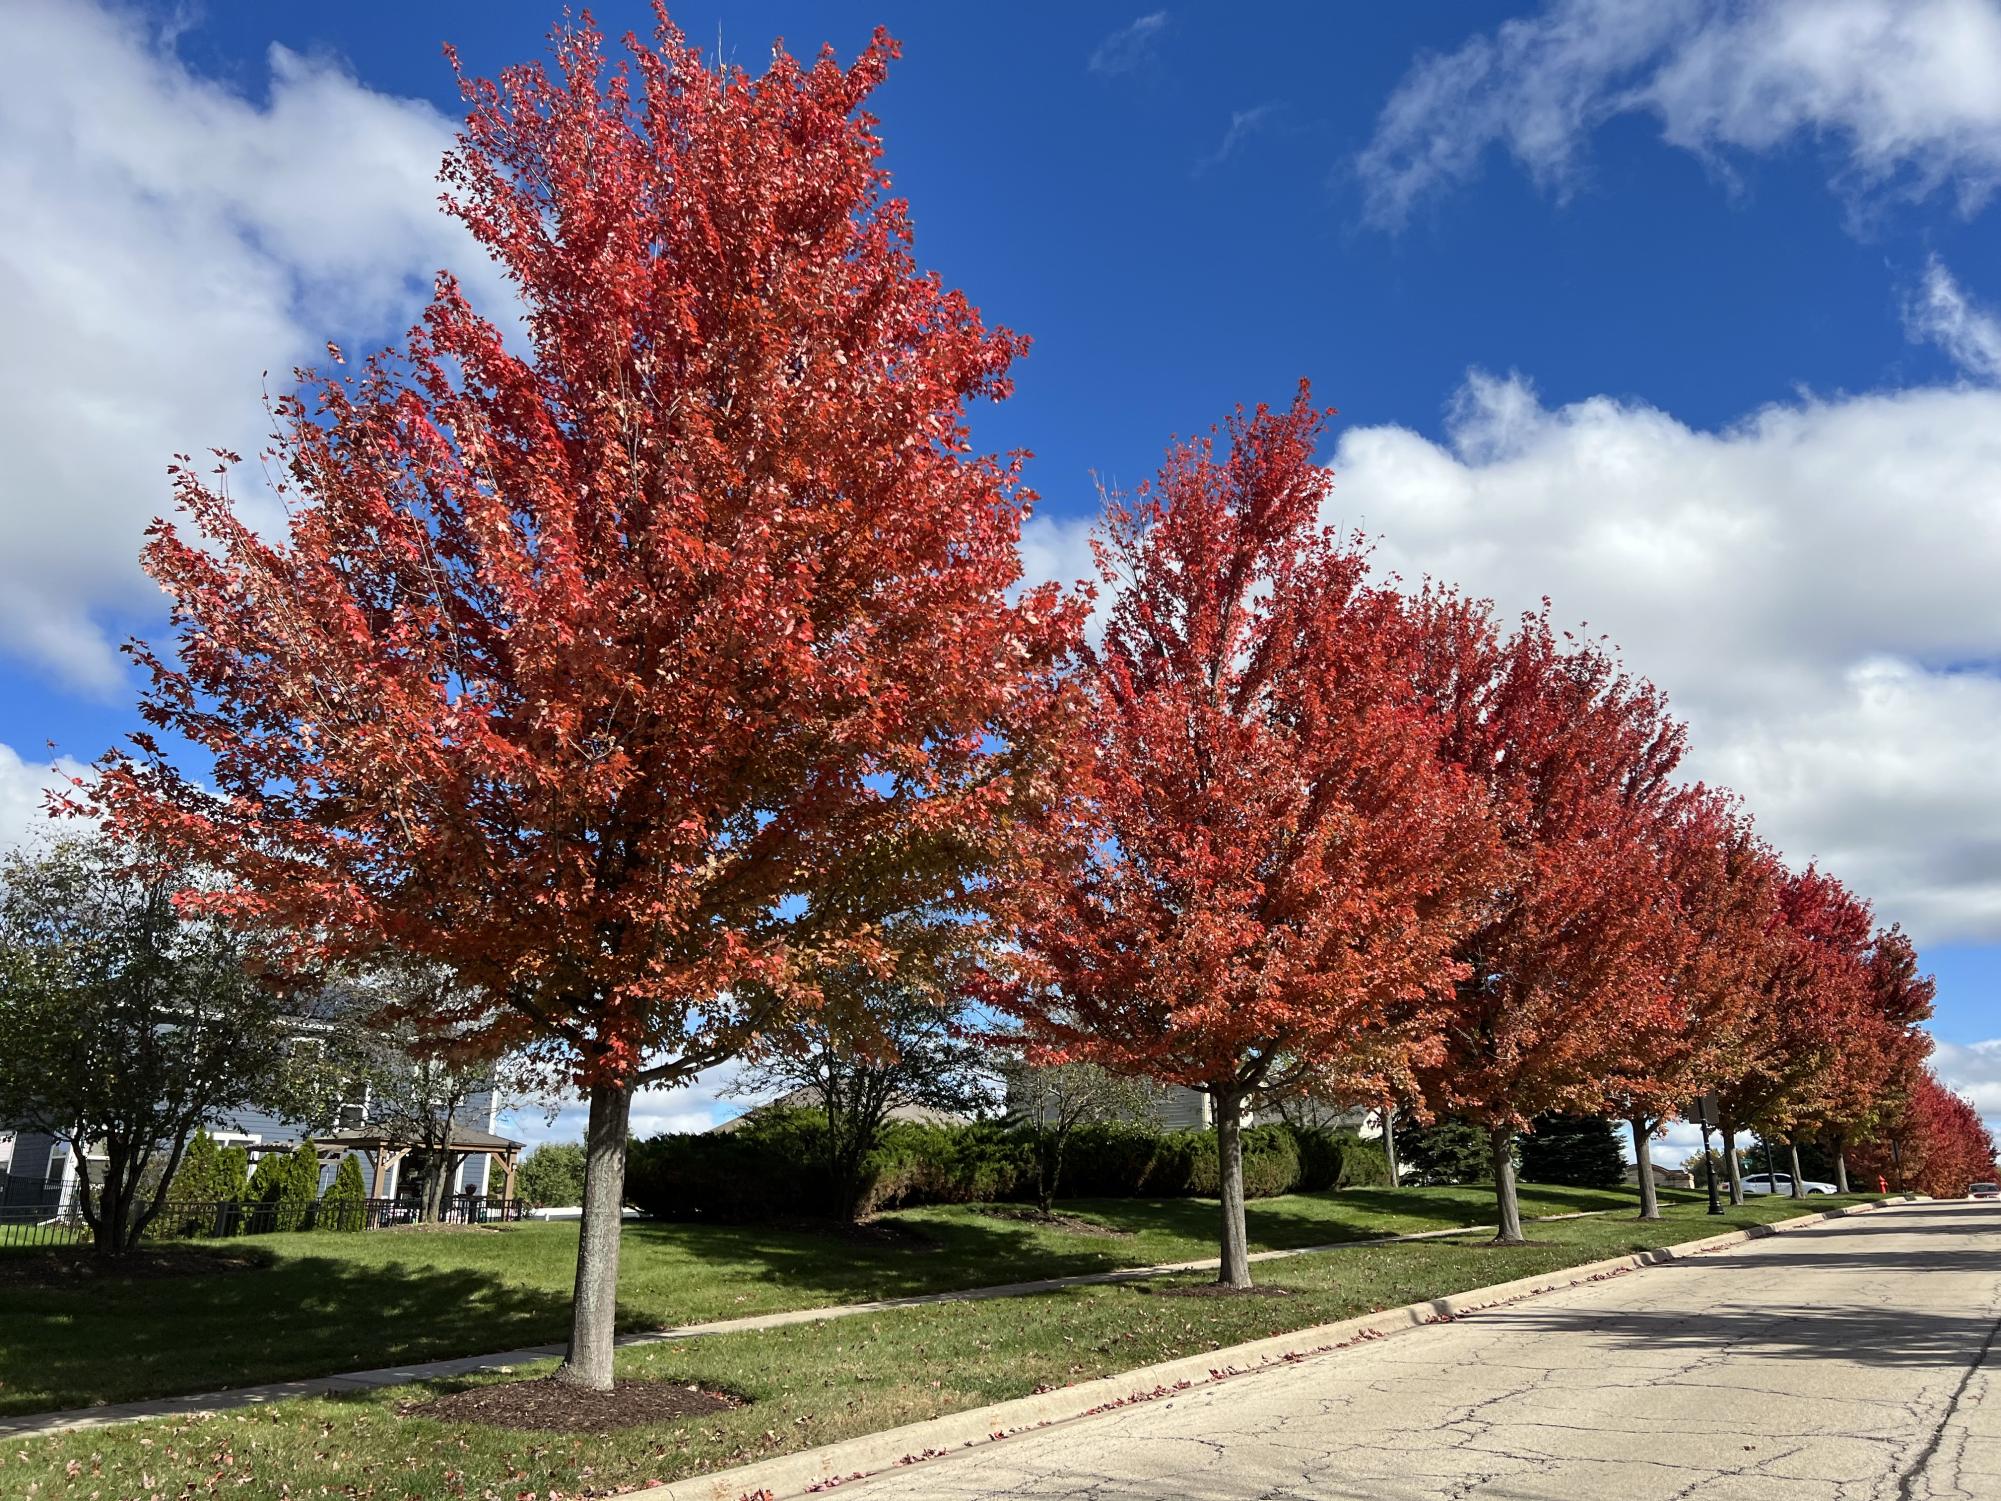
pixel 774 1166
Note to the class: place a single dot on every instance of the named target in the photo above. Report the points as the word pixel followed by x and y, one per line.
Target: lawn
pixel 805 1384
pixel 326 1303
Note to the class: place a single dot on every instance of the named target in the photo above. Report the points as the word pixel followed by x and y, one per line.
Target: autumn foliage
pixel 647 648
pixel 635 663
pixel 1566 961
pixel 1932 1142
pixel 1262 864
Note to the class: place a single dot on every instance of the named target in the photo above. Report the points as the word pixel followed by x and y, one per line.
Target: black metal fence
pixel 46 1225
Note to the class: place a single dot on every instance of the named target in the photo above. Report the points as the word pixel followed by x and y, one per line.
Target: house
pixel 388 1168
pixel 1177 1107
pixel 37 1174
pixel 40 1174
pixel 808 1097
pixel 1664 1177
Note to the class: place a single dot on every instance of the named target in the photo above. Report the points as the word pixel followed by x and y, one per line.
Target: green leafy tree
pixel 129 1020
pixel 1578 1150
pixel 879 1043
pixel 343 1206
pixel 552 1175
pixel 1048 1105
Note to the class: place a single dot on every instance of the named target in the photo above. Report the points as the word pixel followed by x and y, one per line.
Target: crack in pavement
pixel 1907 1482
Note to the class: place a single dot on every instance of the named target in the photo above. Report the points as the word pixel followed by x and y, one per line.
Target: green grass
pixel 328 1303
pixel 806 1384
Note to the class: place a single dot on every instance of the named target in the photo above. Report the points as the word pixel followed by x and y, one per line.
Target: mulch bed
pixel 557 1406
pixel 1212 1290
pixel 75 1266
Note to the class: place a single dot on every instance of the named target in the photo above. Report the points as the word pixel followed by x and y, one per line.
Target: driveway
pixel 1847 1361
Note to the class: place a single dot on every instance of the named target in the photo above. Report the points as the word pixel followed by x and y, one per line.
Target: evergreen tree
pixel 284 1189
pixel 343 1206
pixel 1579 1150
pixel 207 1191
pixel 1446 1151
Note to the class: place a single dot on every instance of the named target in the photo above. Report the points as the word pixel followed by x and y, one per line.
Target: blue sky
pixel 1680 311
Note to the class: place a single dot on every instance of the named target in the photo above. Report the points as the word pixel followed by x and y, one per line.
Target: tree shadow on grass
pixel 125 1339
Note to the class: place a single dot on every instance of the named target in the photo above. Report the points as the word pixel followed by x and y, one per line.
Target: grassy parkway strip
pixel 271 1308
pixel 806 1384
pixel 204 1403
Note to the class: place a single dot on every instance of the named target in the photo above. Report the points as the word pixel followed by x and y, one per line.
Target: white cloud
pixel 696 1106
pixel 1942 314
pixel 1899 91
pixel 1814 587
pixel 1131 47
pixel 1973 1070
pixel 1244 123
pixel 24 789
pixel 165 241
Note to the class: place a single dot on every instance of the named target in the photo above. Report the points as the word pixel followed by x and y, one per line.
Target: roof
pixel 808 1097
pixel 464 1139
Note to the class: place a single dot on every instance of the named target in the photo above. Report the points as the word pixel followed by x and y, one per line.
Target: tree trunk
pixel 1236 1268
pixel 1840 1164
pixel 1390 1147
pixel 434 1188
pixel 594 1312
pixel 1509 1232
pixel 1793 1152
pixel 1731 1164
pixel 1650 1203
pixel 1049 1171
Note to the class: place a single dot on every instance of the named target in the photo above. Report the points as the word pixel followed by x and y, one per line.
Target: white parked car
pixel 1782 1183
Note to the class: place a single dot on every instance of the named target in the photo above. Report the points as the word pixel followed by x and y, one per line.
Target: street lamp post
pixel 1707 1111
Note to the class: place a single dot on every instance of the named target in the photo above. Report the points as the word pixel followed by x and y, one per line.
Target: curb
pixel 230 1399
pixel 814 1470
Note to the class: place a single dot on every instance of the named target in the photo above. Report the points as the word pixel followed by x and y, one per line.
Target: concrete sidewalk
pixel 28 1424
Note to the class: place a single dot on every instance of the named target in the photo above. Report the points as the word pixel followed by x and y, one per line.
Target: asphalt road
pixel 1846 1361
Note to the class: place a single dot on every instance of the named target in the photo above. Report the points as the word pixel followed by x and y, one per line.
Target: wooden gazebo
pixel 386 1151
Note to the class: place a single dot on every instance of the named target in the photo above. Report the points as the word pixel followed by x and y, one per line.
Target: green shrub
pixel 344 1205
pixel 773 1166
pixel 1339 1158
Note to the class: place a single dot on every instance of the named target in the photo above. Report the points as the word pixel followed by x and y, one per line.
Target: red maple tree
pixel 1810 1007
pixel 1258 872
pixel 1724 881
pixel 1567 965
pixel 1933 1142
pixel 1882 1048
pixel 637 665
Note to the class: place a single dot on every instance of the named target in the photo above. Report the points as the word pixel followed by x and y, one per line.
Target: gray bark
pixel 1793 1152
pixel 1509 1232
pixel 1236 1268
pixel 1390 1147
pixel 1841 1164
pixel 1736 1168
pixel 594 1313
pixel 1650 1203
